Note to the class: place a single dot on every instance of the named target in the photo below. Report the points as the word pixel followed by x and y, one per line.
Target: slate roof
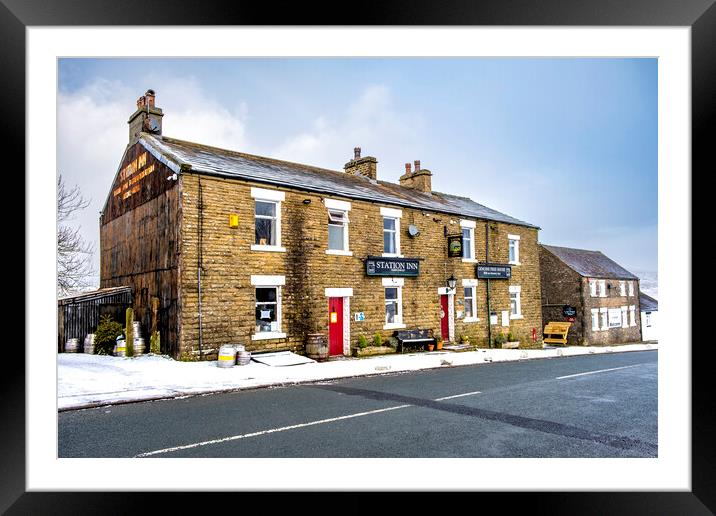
pixel 178 155
pixel 648 303
pixel 590 264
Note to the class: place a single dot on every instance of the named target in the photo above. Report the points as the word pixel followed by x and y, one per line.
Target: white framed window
pixel 470 304
pixel 393 307
pixel 514 249
pixel 605 318
pixel 631 288
pixel 622 288
pixel 632 315
pixel 391 231
pixel 267 219
pixel 515 302
pixel 267 305
pixel 625 316
pixel 615 317
pixel 602 288
pixel 468 240
pixel 338 231
pixel 593 287
pixel 595 319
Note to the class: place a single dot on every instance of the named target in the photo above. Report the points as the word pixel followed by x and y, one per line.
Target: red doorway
pixel 335 326
pixel 444 318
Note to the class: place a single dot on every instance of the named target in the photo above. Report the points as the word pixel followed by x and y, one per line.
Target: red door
pixel 444 318
pixel 335 325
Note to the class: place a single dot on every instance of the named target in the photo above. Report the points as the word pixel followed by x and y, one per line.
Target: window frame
pixel 469 226
pixel 277 282
pixel 631 289
pixel 595 319
pixel 274 197
pixel 622 289
pixel 513 239
pixel 472 285
pixel 396 283
pixel 396 215
pixel 632 315
pixel 516 289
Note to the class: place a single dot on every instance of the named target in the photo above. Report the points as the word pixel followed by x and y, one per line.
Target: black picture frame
pixel 699 15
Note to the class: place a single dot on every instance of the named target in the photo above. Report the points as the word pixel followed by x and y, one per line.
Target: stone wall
pixel 228 298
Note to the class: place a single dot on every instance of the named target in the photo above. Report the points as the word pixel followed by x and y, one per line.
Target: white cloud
pixel 372 122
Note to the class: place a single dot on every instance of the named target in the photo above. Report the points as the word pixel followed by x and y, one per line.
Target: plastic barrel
pixel 71 345
pixel 227 356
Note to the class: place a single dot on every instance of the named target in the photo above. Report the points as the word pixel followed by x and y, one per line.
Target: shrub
pixel 106 335
pixel 362 341
pixel 499 340
pixel 377 339
pixel 511 337
pixel 464 339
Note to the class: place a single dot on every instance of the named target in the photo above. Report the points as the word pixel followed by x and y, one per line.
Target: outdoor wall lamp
pixel 451 282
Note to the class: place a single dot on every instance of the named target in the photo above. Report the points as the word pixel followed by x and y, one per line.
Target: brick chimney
pixel 147 118
pixel 366 167
pixel 419 179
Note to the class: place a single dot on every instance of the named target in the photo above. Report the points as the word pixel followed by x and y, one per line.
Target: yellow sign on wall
pixel 233 220
pixel 334 317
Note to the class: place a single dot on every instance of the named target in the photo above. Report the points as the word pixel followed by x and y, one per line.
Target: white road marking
pixel 595 372
pixel 457 396
pixel 284 428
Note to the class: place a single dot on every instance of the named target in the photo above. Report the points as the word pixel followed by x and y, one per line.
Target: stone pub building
pixel 601 294
pixel 225 247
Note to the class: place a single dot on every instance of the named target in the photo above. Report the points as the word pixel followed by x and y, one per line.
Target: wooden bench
pixel 559 330
pixel 416 338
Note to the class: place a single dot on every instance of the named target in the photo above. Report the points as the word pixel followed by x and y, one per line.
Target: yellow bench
pixel 560 329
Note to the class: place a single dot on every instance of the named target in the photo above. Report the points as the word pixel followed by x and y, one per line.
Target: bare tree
pixel 74 255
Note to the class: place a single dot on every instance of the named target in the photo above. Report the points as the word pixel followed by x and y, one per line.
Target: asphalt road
pixel 535 408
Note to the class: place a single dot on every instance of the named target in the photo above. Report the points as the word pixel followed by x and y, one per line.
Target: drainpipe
pixel 487 260
pixel 200 220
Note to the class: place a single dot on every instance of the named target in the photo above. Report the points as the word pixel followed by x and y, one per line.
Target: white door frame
pixel 450 293
pixel 345 294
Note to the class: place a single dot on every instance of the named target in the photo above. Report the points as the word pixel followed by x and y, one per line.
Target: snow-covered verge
pixel 90 380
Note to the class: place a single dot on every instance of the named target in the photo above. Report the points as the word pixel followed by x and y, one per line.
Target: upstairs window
pixel 593 288
pixel 390 237
pixel 266 223
pixel 267 219
pixel 514 249
pixel 468 240
pixel 631 288
pixel 622 288
pixel 338 230
pixel 602 288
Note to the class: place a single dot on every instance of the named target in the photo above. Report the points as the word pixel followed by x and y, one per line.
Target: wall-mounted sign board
pixel 379 266
pixel 455 246
pixel 493 271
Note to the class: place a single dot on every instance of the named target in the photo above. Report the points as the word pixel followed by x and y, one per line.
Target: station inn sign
pixel 379 266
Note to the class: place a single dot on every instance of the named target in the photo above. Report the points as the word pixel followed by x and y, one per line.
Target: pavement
pixel 86 381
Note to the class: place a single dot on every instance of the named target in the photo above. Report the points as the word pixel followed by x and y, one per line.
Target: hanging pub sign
pixel 493 271
pixel 569 311
pixel 379 266
pixel 455 246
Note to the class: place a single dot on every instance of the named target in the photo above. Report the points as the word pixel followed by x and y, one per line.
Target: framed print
pixel 680 35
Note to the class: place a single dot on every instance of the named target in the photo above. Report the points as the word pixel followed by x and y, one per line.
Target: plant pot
pixel 431 347
pixel 439 345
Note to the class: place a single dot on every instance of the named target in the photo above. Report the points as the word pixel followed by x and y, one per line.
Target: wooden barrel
pixel 227 356
pixel 71 345
pixel 89 344
pixel 317 346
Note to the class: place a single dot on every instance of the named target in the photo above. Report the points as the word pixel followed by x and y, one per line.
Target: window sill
pixel 392 255
pixel 469 260
pixel 337 252
pixel 394 326
pixel 471 319
pixel 268 335
pixel 273 248
pixel 514 263
pixel 517 316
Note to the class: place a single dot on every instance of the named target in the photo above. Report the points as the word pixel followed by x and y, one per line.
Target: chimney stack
pixel 147 117
pixel 366 167
pixel 419 179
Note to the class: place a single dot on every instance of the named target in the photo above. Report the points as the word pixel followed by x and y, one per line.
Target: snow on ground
pixel 87 380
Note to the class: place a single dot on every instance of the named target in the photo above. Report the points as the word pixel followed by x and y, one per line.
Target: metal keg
pixel 243 357
pixel 89 344
pixel 227 356
pixel 71 345
pixel 139 346
pixel 120 349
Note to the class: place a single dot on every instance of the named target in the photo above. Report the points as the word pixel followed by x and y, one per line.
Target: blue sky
pixel 567 144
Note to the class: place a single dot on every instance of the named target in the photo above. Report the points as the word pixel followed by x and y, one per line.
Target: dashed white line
pixel 595 372
pixel 284 428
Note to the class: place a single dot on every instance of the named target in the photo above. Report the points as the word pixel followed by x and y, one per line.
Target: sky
pixel 568 144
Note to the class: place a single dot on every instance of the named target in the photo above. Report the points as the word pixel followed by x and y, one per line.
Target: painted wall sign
pixel 569 311
pixel 455 246
pixel 375 266
pixel 359 316
pixel 493 271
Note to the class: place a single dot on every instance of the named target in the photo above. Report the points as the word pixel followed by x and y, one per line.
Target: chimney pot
pixel 141 102
pixel 417 165
pixel 356 152
pixel 407 168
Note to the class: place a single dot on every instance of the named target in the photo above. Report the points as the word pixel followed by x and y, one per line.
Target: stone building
pixel 595 293
pixel 226 247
